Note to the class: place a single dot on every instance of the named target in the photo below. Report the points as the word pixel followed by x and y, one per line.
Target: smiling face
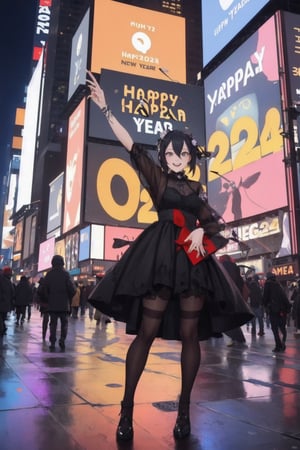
pixel 176 152
pixel 177 163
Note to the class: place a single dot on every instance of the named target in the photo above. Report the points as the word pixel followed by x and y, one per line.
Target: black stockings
pixel 139 349
pixel 191 353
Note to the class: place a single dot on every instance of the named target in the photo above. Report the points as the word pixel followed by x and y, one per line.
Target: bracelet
pixel 105 109
pixel 107 112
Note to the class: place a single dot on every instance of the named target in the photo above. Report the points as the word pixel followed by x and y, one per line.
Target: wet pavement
pixel 243 398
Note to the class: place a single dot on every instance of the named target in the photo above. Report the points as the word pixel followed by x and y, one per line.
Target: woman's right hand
pixel 97 93
pixel 196 238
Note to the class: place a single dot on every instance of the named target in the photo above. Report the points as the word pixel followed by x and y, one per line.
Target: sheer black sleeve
pixel 151 175
pixel 209 219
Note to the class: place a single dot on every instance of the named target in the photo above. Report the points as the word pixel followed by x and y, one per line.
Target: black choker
pixel 178 175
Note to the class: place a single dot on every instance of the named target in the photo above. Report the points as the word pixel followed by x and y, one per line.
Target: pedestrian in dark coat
pixel 255 297
pixel 23 298
pixel 59 290
pixel 278 306
pixel 7 293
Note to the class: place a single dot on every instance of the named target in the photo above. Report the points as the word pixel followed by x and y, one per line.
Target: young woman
pixel 166 284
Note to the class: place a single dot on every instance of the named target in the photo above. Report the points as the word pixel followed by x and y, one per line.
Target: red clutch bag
pixel 211 245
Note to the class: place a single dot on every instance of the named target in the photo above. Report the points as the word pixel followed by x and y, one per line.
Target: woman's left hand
pixel 196 238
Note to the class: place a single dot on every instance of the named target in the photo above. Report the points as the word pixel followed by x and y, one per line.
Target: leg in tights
pixel 139 349
pixel 190 354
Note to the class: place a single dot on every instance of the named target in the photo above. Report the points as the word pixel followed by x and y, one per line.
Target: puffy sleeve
pixel 209 219
pixel 150 173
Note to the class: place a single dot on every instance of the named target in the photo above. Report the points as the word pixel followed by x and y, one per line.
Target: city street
pixel 244 398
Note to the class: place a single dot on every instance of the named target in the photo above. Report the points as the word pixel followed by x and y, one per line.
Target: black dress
pixel 155 261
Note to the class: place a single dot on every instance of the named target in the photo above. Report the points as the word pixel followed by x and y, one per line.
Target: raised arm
pixel 98 97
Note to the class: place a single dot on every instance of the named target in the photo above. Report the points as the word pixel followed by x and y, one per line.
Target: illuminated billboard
pixel 46 254
pixel 269 234
pixel 84 243
pixel 292 42
pixel 55 203
pixel 29 236
pixel 60 248
pixel 30 134
pixel 114 195
pixel 138 41
pixel 222 20
pixel 79 55
pixel 7 227
pixel 91 242
pixel 246 173
pixel 73 176
pixel 18 237
pixel 71 251
pixel 97 242
pixel 146 107
pixel 42 28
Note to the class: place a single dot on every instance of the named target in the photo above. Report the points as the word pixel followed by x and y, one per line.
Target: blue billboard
pixel 84 243
pixel 222 20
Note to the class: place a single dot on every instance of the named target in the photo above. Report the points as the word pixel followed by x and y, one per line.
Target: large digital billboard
pixel 46 252
pixel 60 248
pixel 29 236
pixel 97 242
pixel 18 237
pixel 84 243
pixel 114 195
pixel 71 251
pixel 73 176
pixel 146 107
pixel 222 20
pixel 79 55
pixel 55 203
pixel 30 135
pixel 42 28
pixel 138 41
pixel 91 242
pixel 7 228
pixel 246 173
pixel 292 43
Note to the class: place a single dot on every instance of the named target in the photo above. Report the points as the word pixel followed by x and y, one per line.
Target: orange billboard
pixel 73 176
pixel 138 41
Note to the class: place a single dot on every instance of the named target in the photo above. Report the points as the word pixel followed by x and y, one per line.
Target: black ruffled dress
pixel 155 261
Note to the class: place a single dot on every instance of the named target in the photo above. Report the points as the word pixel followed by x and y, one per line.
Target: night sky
pixel 17 25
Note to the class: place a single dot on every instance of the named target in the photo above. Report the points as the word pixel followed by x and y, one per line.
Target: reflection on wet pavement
pixel 243 398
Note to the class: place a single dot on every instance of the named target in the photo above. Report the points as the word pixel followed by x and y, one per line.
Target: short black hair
pixel 178 138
